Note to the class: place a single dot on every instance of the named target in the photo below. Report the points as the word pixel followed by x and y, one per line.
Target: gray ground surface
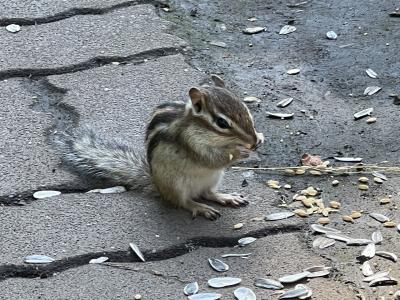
pixel 108 63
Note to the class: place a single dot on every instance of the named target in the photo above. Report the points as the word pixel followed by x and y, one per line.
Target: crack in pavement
pixel 77 12
pixel 95 62
pixel 124 256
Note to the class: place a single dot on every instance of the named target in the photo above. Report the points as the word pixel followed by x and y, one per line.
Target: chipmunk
pixel 188 145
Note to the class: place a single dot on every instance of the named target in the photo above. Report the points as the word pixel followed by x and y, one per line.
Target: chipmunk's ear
pixel 196 96
pixel 218 81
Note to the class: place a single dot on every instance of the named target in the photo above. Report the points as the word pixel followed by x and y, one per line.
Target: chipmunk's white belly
pixel 200 181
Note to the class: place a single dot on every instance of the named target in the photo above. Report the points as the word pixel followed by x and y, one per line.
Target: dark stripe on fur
pixel 164 117
pixel 161 136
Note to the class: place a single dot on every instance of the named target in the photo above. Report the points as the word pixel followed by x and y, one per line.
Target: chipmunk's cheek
pixel 260 137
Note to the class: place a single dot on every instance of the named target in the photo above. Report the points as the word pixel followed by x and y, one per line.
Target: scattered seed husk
pixel 218 265
pixel 376 276
pixel 191 288
pixel 324 221
pixel 367 269
pixel 293 71
pixel 335 182
pixel 348 219
pixel 369 251
pixel 294 293
pixel 377 237
pixel 317 268
pixel 371 120
pixel 251 99
pixel 244 293
pixel 383 281
pixel 338 237
pixel 246 241
pixel 323 242
pixel 301 213
pixel 356 214
pixel 218 44
pixel 331 35
pixel 205 296
pixel 379 217
pixel 111 190
pixel 348 159
pixel 45 194
pixel 389 224
pixel 287 29
pixel 321 273
pixel 378 180
pixel 99 260
pixel 137 251
pixel 279 216
pixel 379 175
pixel 385 200
pixel 268 284
pixel 245 255
pixel 293 277
pixel 309 291
pixel 13 28
pixel 323 229
pixel 388 255
pixel 38 259
pixel 358 242
pixel 220 282
pixel 363 187
pixel 372 90
pixel 238 226
pixel 371 73
pixel 285 102
pixel 279 115
pixel 254 30
pixel 363 113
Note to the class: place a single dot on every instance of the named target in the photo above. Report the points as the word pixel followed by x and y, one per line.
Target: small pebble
pixel 13 28
pixel 137 297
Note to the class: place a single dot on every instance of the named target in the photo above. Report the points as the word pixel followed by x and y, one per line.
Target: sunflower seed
pixel 218 44
pixel 372 90
pixel 323 242
pixel 366 269
pixel 323 229
pixel 303 286
pixel 348 159
pixel 238 226
pixel 218 265
pixel 371 73
pixel 369 251
pixel 45 194
pixel 137 251
pixel 38 259
pixel 268 284
pixel 348 219
pixel 377 237
pixel 191 288
pixel 293 71
pixel 383 281
pixel 221 282
pixel 376 276
pixel 334 204
pixel 363 187
pixel 279 115
pixel 389 224
pixel 99 260
pixel 13 28
pixel 363 113
pixel 388 255
pixel 363 179
pixel 205 296
pixel 379 217
pixel 293 277
pixel 331 35
pixel 285 102
pixel 338 237
pixel 378 180
pixel 379 175
pixel 246 240
pixel 245 255
pixel 358 242
pixel 294 293
pixel 279 216
pixel 254 30
pixel 251 99
pixel 301 213
pixel 287 29
pixel 244 293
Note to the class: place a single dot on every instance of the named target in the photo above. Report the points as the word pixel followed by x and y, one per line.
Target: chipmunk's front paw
pixel 233 199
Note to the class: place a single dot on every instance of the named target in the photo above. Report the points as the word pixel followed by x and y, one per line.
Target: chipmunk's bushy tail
pixel 88 153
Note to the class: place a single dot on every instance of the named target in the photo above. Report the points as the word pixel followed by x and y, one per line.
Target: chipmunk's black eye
pixel 222 123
